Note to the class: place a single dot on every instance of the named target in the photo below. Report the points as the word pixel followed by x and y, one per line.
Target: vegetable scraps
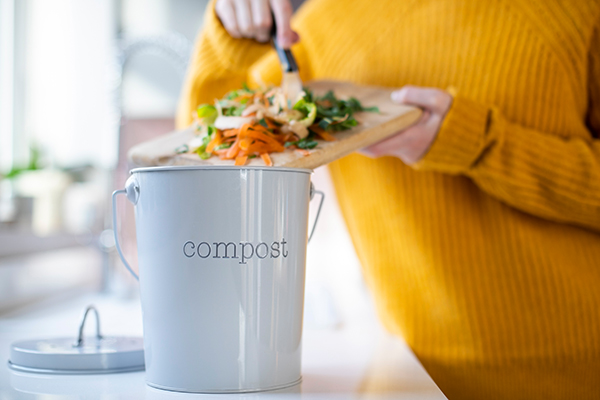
pixel 248 123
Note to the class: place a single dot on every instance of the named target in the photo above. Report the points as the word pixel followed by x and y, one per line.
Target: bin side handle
pixel 322 195
pixel 114 214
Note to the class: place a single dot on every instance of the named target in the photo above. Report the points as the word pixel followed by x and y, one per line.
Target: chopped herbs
pixel 184 148
pixel 204 155
pixel 207 113
pixel 270 123
pixel 307 143
pixel 223 146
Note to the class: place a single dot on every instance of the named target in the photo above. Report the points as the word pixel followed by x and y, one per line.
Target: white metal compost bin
pixel 222 253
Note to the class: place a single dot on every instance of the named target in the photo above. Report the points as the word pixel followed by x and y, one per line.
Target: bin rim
pixel 169 168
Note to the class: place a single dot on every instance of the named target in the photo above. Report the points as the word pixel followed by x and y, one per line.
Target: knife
pixel 291 82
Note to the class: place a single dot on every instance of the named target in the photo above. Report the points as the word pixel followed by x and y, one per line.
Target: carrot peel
pixel 241 160
pixel 266 159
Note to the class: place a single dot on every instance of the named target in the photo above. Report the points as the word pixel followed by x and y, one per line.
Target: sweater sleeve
pixel 536 172
pixel 593 117
pixel 219 64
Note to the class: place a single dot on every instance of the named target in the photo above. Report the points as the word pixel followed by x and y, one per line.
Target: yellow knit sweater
pixel 485 256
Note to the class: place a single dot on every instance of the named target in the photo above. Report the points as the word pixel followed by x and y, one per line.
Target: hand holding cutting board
pixel 411 144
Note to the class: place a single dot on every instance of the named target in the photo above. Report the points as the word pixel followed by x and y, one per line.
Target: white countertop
pixel 355 360
pixel 346 353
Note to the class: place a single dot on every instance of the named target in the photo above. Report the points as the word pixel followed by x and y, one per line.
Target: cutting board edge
pixel 366 138
pixel 169 142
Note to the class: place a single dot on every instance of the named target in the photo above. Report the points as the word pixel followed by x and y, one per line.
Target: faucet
pixel 175 49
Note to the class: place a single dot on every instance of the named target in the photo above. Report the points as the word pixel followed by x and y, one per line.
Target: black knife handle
pixel 288 62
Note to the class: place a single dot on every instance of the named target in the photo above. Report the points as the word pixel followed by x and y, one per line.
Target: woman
pixel 479 228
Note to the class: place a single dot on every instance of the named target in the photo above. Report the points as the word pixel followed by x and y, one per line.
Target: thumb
pixel 282 11
pixel 432 99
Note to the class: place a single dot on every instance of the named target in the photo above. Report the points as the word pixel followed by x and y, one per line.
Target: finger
pixel 394 144
pixel 295 37
pixel 372 151
pixel 261 16
pixel 367 152
pixel 384 148
pixel 226 13
pixel 244 18
pixel 429 98
pixel 282 9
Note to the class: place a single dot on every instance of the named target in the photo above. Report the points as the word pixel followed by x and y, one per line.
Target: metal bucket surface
pixel 222 254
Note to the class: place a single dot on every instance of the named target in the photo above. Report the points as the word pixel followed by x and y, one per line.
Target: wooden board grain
pixel 372 128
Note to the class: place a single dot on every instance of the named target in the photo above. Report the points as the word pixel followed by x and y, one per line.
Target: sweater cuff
pixel 234 54
pixel 460 139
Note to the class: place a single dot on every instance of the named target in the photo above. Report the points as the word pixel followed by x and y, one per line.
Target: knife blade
pixel 291 82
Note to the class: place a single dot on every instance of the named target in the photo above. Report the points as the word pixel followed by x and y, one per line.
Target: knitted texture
pixel 485 256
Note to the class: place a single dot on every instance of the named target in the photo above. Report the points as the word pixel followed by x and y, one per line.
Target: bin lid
pixel 79 355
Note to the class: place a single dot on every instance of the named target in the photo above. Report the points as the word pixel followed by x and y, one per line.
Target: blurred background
pixel 81 81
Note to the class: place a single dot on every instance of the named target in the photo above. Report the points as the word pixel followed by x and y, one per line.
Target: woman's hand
pixel 252 19
pixel 411 144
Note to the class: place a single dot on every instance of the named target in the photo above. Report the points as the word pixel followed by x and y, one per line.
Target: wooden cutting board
pixel 372 128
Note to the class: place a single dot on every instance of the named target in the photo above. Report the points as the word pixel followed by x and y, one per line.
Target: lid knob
pixel 79 342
